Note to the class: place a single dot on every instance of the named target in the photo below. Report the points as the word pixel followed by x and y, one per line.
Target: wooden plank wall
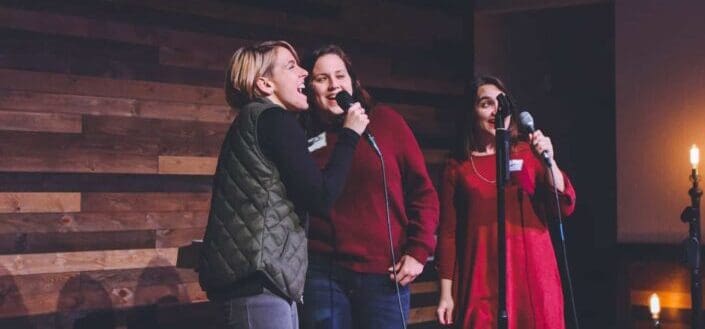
pixel 111 117
pixel 644 269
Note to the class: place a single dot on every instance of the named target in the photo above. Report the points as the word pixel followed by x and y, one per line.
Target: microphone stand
pixel 502 170
pixel 691 245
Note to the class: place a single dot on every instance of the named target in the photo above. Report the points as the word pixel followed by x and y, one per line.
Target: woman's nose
pixel 333 84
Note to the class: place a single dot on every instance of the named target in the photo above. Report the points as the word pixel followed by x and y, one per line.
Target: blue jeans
pixel 263 311
pixel 337 298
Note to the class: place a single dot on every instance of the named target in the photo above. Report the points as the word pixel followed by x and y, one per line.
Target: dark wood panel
pixel 110 106
pixel 146 79
pixel 113 289
pixel 437 96
pixel 98 86
pixel 185 142
pixel 42 122
pixel 446 103
pixel 163 315
pixel 157 273
pixel 100 222
pixel 155 128
pixel 26 243
pixel 93 182
pixel 80 163
pixel 188 165
pixel 189 49
pixel 99 67
pixel 342 19
pixel 88 27
pixel 99 260
pixel 17 42
pixel 47 144
pixel 131 202
pixel 39 202
pixel 58 103
pixel 167 238
pixel 185 111
pixel 231 20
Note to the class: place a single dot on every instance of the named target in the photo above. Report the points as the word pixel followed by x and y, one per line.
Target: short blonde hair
pixel 247 65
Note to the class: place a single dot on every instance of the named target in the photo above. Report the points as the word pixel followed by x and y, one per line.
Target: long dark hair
pixel 467 124
pixel 311 118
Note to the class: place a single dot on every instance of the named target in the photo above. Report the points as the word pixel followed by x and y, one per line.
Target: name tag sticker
pixel 516 164
pixel 317 142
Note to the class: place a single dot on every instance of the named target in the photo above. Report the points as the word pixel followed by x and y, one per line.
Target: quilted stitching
pixel 252 225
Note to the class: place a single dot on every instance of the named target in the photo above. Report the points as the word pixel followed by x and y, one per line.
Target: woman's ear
pixel 264 85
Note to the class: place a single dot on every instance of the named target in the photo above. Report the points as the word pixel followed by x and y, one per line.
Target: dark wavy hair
pixel 467 122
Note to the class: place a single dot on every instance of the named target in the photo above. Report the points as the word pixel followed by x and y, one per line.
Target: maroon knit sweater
pixel 355 234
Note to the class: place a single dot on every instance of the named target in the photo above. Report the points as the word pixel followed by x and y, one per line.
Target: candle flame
pixel 694 156
pixel 654 306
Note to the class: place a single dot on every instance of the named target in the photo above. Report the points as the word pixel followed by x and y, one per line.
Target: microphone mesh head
pixel 344 100
pixel 526 121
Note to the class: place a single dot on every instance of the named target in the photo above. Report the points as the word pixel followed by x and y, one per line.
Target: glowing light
pixel 654 306
pixel 694 156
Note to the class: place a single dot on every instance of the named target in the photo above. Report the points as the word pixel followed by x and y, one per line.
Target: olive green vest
pixel 252 226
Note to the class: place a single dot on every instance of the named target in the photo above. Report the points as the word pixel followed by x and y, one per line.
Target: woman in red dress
pixel 467 242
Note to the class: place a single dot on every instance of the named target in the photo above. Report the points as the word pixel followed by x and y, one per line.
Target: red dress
pixel 467 246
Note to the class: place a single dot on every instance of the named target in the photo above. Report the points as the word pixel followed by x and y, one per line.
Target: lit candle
pixel 655 308
pixel 694 156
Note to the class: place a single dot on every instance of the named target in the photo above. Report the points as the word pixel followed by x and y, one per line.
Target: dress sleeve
pixel 446 253
pixel 545 192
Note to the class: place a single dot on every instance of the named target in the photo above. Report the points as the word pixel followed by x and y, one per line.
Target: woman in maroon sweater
pixel 467 242
pixel 351 282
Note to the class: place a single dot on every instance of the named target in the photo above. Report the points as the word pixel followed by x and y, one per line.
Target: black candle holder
pixel 692 249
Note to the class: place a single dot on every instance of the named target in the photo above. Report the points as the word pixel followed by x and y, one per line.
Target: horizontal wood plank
pixel 34 243
pixel 47 144
pixel 98 182
pixel 100 221
pixel 157 272
pixel 43 122
pixel 424 119
pixel 169 238
pixel 668 299
pixel 132 202
pixel 97 300
pixel 187 165
pixel 61 103
pixel 80 163
pixel 96 86
pixel 84 261
pixel 360 26
pixel 39 202
pixel 424 287
pixel 123 107
pixel 156 129
pixel 422 314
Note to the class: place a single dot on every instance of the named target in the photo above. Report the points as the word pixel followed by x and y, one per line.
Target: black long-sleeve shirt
pixel 283 141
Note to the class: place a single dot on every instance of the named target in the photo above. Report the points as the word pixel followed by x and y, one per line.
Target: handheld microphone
pixel 345 101
pixel 527 123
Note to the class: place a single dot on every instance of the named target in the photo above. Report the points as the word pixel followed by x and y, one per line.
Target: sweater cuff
pixel 348 136
pixel 418 253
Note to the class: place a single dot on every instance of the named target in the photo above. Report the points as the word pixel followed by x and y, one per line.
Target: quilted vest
pixel 252 226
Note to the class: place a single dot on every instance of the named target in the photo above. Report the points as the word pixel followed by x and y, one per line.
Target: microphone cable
pixel 371 139
pixel 564 251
